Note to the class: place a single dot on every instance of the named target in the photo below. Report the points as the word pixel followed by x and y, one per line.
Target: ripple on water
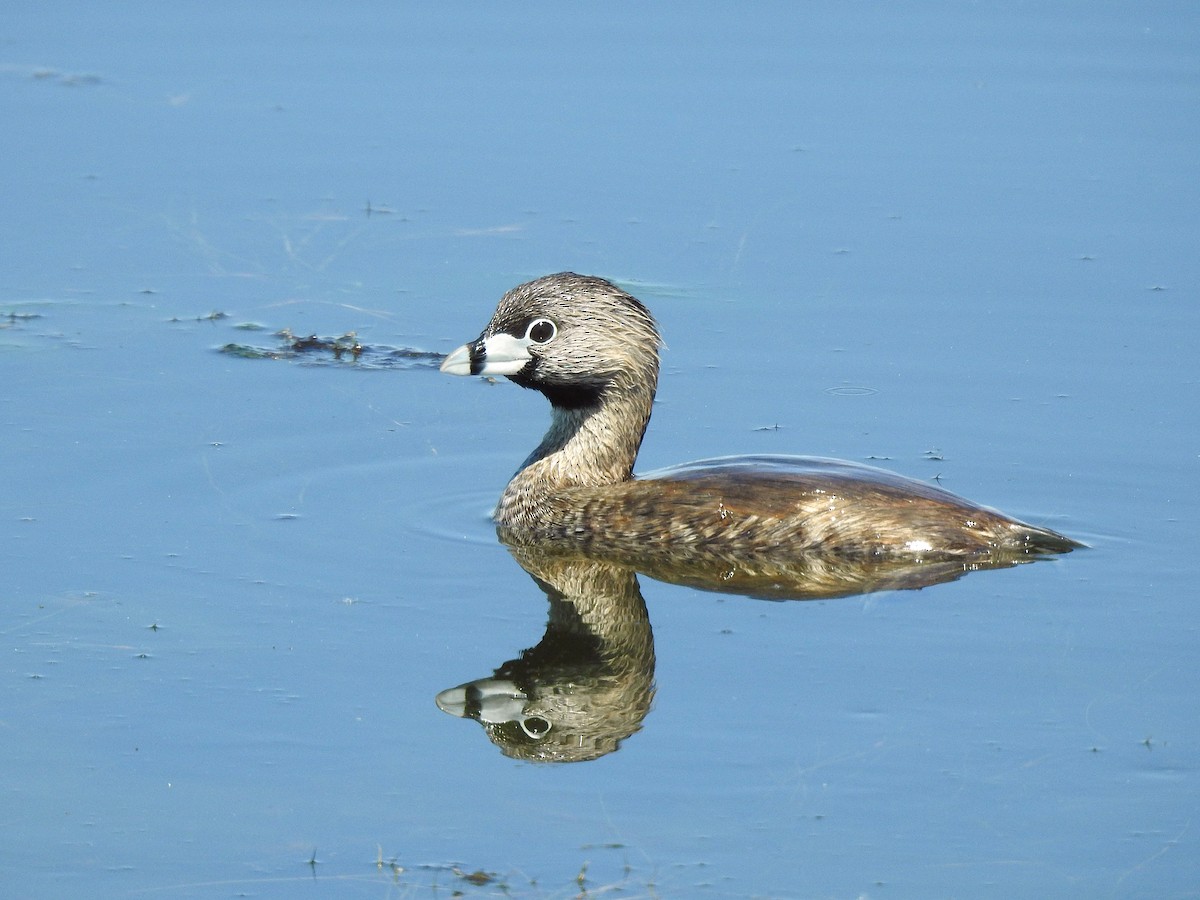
pixel 455 517
pixel 424 507
pixel 851 390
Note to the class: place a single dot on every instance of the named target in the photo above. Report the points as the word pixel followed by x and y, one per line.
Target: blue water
pixel 955 240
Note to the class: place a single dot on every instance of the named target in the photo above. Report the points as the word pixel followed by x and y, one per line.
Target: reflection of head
pixel 588 683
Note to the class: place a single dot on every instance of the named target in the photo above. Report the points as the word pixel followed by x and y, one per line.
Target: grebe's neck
pixel 593 445
pixel 586 446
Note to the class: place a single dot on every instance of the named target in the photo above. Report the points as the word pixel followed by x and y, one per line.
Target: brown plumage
pixel 592 349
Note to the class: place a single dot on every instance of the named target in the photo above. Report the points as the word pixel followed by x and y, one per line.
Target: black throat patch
pixel 564 395
pixel 573 396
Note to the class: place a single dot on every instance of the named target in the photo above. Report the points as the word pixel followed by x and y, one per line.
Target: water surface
pixel 955 241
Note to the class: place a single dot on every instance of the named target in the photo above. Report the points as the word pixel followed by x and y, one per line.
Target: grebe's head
pixel 575 338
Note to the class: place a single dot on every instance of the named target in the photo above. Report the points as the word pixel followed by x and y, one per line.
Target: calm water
pixel 958 241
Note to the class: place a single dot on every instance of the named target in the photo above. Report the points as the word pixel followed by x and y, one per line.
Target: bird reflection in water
pixel 588 683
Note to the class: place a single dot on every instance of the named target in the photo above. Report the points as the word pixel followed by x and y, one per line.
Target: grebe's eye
pixel 541 331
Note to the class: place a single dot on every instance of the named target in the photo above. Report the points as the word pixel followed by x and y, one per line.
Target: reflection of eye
pixel 541 331
pixel 535 726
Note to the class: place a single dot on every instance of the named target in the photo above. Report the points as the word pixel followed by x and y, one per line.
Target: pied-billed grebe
pixel 592 349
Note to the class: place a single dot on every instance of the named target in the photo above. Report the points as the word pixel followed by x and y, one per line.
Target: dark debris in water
pixel 344 350
pixel 12 319
pixel 477 878
pixel 48 75
pixel 214 316
pixel 469 881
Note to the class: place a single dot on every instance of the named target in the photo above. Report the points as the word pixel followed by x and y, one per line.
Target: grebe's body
pixel 592 349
